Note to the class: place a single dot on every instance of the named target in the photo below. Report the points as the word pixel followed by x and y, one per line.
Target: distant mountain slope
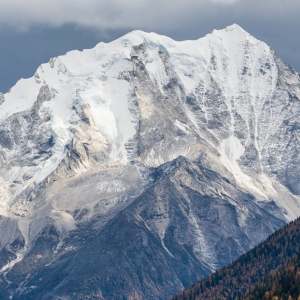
pixel 270 270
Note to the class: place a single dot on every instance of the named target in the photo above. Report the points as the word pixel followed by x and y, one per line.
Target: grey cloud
pixel 165 16
pixel 103 14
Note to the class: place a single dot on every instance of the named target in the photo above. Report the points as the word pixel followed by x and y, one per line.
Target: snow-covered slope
pixel 79 140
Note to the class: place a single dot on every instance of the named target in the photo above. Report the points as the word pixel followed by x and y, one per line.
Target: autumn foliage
pixel 271 271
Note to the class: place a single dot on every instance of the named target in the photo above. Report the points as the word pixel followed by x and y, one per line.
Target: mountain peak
pixel 233 31
pixel 83 141
pixel 235 27
pixel 139 36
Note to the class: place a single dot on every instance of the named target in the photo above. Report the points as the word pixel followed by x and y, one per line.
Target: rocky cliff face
pixel 139 166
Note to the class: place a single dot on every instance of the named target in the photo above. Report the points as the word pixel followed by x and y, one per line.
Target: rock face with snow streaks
pixel 139 166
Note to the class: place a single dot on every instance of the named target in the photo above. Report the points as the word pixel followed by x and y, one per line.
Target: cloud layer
pixel 109 14
pixel 185 18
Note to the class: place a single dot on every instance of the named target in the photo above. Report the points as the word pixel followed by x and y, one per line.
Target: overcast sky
pixel 32 31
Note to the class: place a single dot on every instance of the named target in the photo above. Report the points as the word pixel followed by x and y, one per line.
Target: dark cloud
pixel 51 27
pixel 103 14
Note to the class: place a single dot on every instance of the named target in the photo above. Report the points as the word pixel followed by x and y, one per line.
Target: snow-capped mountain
pixel 141 165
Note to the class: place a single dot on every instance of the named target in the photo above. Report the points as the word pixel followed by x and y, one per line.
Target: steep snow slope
pixel 79 140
